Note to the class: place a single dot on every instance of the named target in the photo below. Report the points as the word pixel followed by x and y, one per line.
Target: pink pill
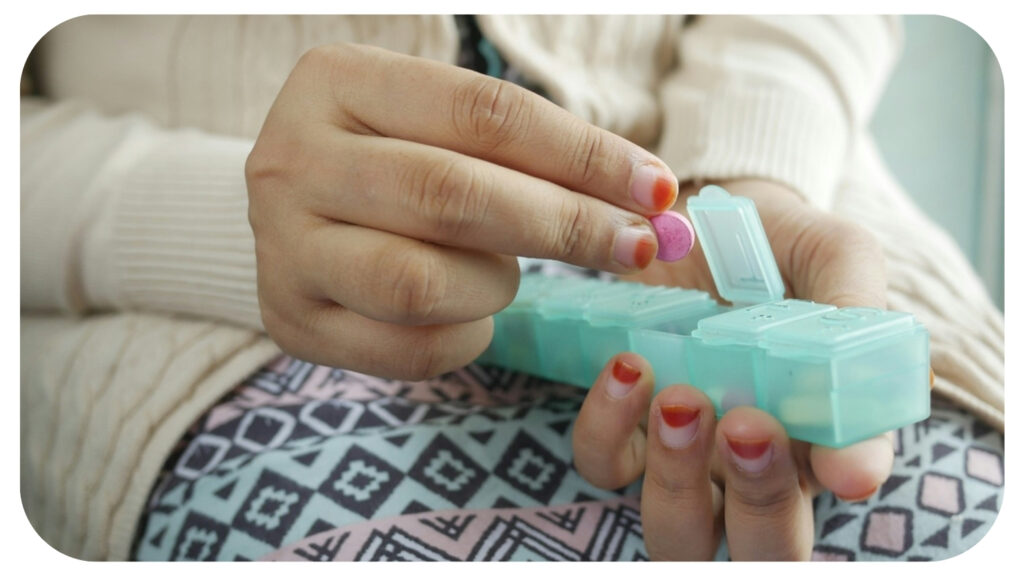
pixel 675 235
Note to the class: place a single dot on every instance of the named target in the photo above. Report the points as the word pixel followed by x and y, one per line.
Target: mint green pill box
pixel 832 376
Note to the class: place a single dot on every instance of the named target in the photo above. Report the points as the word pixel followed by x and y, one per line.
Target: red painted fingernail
pixel 635 247
pixel 677 415
pixel 750 456
pixel 644 252
pixel 679 425
pixel 625 372
pixel 664 194
pixel 624 377
pixel 653 187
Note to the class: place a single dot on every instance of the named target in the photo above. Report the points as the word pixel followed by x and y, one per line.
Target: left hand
pixel 742 473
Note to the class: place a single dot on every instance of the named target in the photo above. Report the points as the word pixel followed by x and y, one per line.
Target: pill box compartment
pixel 654 319
pixel 846 375
pixel 564 312
pixel 723 357
pixel 515 330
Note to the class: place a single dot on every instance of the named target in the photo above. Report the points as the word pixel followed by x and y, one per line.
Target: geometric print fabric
pixel 941 499
pixel 304 462
pixel 262 470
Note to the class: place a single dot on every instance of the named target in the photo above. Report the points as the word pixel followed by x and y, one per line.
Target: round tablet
pixel 675 235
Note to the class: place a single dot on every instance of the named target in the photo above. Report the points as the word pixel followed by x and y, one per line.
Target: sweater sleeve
pixel 774 97
pixel 117 213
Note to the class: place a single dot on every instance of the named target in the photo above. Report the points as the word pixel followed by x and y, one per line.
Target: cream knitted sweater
pixel 138 285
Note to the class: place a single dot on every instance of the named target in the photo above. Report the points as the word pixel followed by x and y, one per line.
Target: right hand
pixel 389 196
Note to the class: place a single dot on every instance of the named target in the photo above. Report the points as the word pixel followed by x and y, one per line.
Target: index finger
pixel 448 107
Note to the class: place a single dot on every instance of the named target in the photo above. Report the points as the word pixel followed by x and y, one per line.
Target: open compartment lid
pixel 736 247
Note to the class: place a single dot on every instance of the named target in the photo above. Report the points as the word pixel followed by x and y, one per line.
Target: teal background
pixel 940 127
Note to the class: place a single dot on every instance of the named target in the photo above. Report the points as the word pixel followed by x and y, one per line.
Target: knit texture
pixel 103 401
pixel 134 237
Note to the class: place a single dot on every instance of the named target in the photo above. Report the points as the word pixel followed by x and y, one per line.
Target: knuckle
pixel 420 286
pixel 765 501
pixel 842 238
pixel 570 235
pixel 487 111
pixel 586 157
pixel 325 65
pixel 512 287
pixel 454 195
pixel 259 173
pixel 273 170
pixel 862 238
pixel 318 56
pixel 590 458
pixel 677 489
pixel 263 164
pixel 337 56
pixel 425 360
pixel 602 459
pixel 329 76
pixel 845 235
pixel 289 333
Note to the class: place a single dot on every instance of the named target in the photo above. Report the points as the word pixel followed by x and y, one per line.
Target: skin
pixel 389 197
pixel 695 493
pixel 386 235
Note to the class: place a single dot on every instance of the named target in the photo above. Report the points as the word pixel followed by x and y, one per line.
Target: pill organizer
pixel 831 376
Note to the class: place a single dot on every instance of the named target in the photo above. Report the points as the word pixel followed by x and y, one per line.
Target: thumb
pixel 823 257
pixel 836 261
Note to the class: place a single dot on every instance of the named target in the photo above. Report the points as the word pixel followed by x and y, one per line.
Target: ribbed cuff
pixel 179 237
pixel 747 132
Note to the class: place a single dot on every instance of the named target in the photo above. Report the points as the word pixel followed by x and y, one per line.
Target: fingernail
pixel 635 247
pixel 653 187
pixel 623 378
pixel 678 425
pixel 751 456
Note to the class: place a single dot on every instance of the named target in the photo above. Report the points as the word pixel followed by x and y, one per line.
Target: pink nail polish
pixel 634 247
pixel 652 187
pixel 679 425
pixel 751 456
pixel 623 378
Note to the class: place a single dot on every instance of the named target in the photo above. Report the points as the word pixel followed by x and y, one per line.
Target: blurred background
pixel 940 127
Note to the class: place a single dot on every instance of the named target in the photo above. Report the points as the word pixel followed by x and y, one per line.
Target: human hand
pixel 389 196
pixel 741 474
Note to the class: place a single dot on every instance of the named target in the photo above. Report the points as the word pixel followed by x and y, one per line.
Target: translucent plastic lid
pixel 841 327
pixel 645 304
pixel 735 246
pixel 752 322
pixel 572 300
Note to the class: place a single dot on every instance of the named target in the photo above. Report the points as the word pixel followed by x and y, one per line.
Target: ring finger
pixel 445 197
pixel 395 279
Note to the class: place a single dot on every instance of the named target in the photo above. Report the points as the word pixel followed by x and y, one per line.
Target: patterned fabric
pixel 300 449
pixel 305 462
pixel 943 495
pixel 308 462
pixel 585 531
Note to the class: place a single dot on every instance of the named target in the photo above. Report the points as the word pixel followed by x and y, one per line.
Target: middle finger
pixel 445 197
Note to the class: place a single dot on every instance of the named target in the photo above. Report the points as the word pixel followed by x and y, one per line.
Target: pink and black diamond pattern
pixel 300 474
pixel 942 497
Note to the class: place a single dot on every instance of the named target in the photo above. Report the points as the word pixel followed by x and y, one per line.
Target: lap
pixel 308 462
